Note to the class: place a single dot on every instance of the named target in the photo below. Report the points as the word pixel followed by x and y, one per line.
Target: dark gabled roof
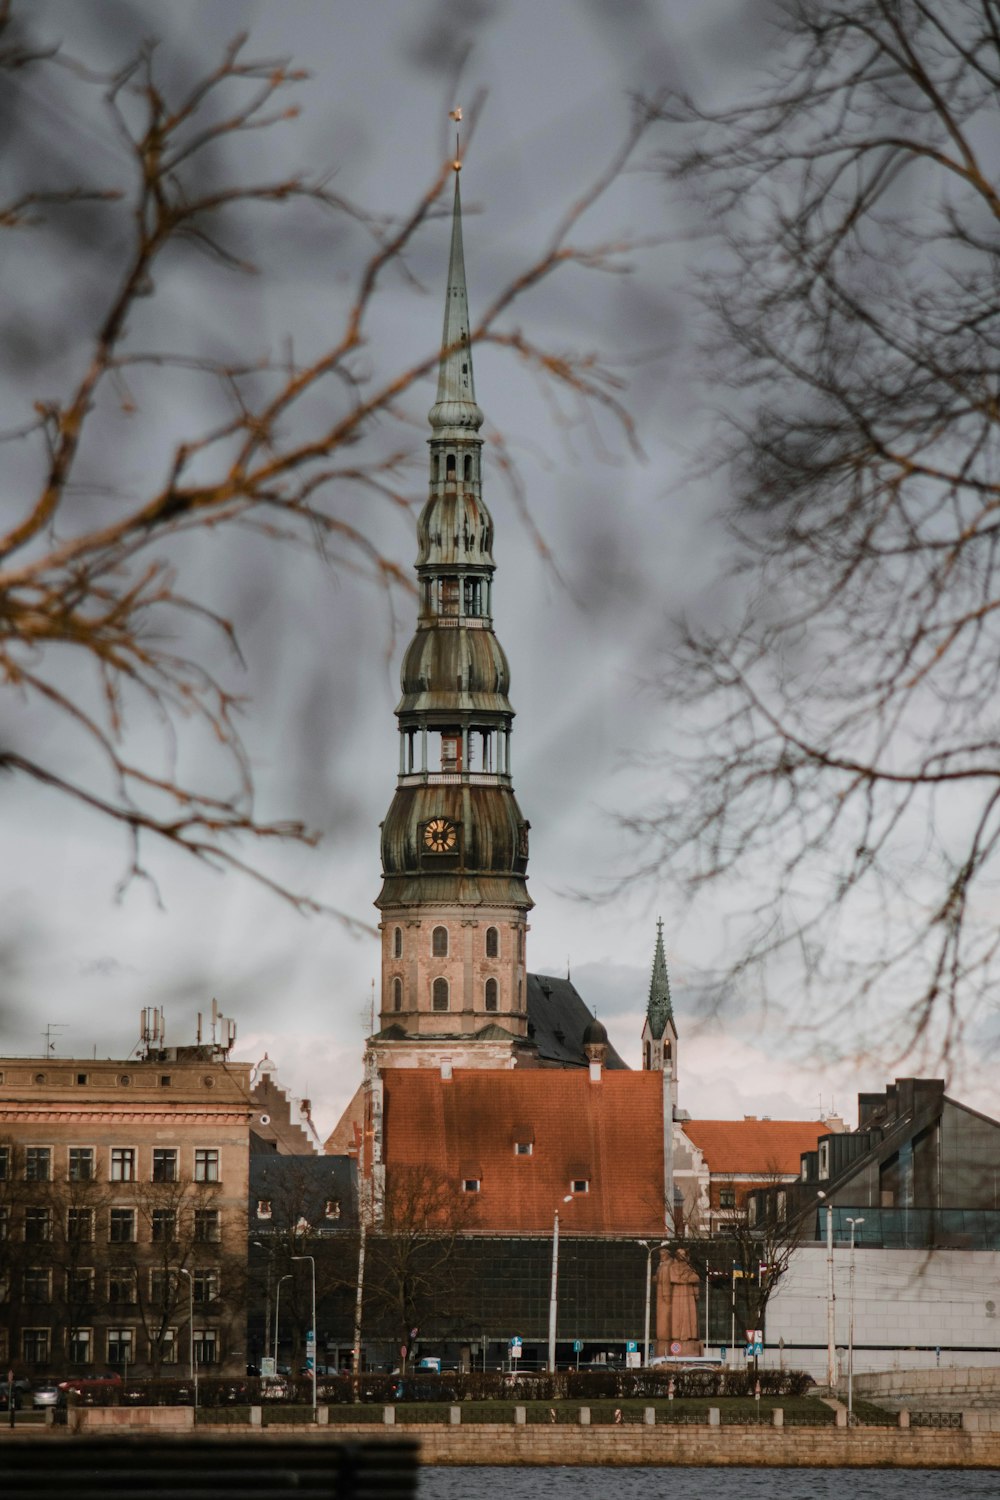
pixel 557 1020
pixel 300 1187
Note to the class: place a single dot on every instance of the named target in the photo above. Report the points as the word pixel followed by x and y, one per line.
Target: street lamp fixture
pixel 554 1289
pixel 194 1367
pixel 649 1279
pixel 312 1264
pixel 850 1328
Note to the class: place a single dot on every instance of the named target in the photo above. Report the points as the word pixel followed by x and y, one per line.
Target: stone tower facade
pixel 454 898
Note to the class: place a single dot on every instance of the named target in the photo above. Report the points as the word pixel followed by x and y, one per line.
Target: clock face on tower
pixel 440 836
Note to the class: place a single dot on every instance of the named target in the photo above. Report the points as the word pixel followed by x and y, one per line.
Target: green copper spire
pixel 455 406
pixel 659 1009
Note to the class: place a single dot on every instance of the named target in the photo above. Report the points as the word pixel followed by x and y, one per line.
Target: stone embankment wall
pixel 978 1383
pixel 820 1447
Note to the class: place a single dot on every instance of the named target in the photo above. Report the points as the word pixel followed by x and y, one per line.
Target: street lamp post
pixel 277 1307
pixel 267 1296
pixel 312 1264
pixel 831 1338
pixel 554 1289
pixel 649 1279
pixel 850 1328
pixel 194 1367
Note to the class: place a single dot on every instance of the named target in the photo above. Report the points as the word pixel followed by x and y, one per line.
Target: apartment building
pixel 123 1212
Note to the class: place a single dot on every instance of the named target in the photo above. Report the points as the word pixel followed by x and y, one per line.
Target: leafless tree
pixel 839 687
pixel 108 618
pixel 407 1281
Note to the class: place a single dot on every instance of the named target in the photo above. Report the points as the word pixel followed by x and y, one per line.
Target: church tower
pixel 454 898
pixel 659 1034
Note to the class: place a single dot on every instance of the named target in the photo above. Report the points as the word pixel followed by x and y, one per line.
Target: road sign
pixel 516 1347
pixel 268 1366
pixel 310 1350
pixel 578 1346
pixel 631 1345
pixel 675 1347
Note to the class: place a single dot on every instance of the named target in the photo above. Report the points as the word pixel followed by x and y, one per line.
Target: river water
pixel 708 1484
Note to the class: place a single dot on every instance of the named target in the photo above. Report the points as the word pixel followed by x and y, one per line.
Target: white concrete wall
pixel 906 1302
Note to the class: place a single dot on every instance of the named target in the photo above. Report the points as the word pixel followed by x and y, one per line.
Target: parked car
pixel 89 1388
pixel 22 1388
pixel 45 1393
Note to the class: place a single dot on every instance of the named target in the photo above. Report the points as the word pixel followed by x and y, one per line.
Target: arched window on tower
pixel 435 468
pixel 397 943
pixel 520 943
pixel 449 469
pixel 492 943
pixel 649 1057
pixel 439 995
pixel 467 468
pixel 448 596
pixel 397 994
pixel 492 995
pixel 439 942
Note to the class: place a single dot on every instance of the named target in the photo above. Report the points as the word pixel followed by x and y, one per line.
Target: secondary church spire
pixel 454 897
pixel 659 1033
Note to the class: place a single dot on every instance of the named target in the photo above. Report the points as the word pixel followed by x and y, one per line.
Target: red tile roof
pixel 758 1146
pixel 609 1132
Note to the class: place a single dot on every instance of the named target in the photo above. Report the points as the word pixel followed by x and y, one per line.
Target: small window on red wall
pixel 439 942
pixel 492 943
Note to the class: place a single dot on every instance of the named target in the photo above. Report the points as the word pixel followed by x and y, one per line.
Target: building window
pixel 448 596
pixel 36 1284
pixel 79 1225
pixel 38 1164
pixel 397 994
pixel 449 466
pixel 121 1346
pixel 37 1225
pixel 580 1185
pixel 165 1080
pixel 162 1287
pixel 122 1164
pixel 439 995
pixel 122 1229
pixel 824 1159
pixel 206 1165
pixel 164 1164
pixel 121 1285
pixel 206 1286
pixel 520 944
pixel 206 1346
pixel 439 942
pixel 331 1208
pixel 81 1164
pixel 206 1225
pixel 4 1223
pixel 467 468
pixel 79 1345
pixel 782 1206
pixel 82 1079
pixel 523 1148
pixel 168 1346
pixel 263 1208
pixel 80 1285
pixel 397 943
pixel 727 1197
pixel 492 995
pixel 35 1344
pixel 4 1163
pixel 492 943
pixel 164 1225
pixel 471 1184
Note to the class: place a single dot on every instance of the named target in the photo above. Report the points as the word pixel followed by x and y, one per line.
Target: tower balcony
pixel 453 778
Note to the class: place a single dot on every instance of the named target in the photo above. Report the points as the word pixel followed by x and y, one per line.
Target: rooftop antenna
pixel 50 1040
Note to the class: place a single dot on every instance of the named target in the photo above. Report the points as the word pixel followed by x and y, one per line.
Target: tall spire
pixel 455 406
pixel 659 1009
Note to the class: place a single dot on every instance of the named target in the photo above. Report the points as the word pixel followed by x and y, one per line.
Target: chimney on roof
pixel 749 1117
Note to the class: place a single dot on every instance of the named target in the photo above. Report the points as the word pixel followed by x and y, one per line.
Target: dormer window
pixel 331 1208
pixel 580 1185
pixel 471 1184
pixel 263 1208
pixel 523 1148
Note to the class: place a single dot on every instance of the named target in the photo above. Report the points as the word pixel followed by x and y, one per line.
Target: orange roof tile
pixel 609 1132
pixel 759 1146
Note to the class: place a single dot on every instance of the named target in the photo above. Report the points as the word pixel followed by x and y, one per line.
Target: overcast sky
pixel 630 539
